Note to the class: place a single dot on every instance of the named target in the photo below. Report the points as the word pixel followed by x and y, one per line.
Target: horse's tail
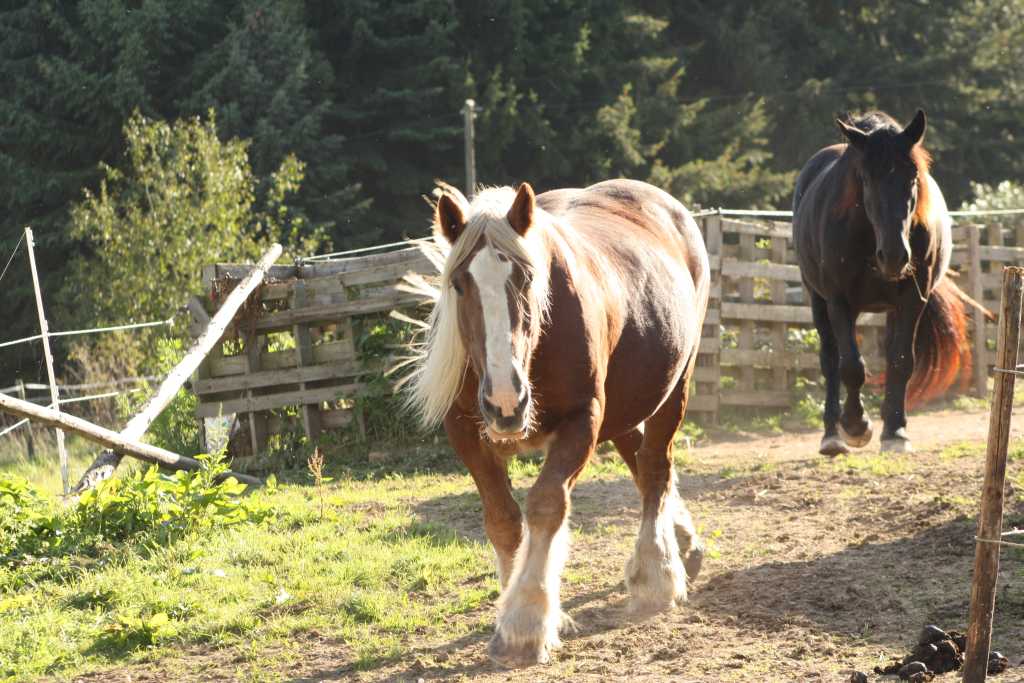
pixel 941 348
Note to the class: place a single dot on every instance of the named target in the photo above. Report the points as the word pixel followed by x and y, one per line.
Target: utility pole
pixel 468 114
pixel 44 330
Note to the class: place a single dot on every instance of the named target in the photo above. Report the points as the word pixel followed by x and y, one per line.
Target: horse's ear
pixel 448 218
pixel 855 135
pixel 520 216
pixel 914 132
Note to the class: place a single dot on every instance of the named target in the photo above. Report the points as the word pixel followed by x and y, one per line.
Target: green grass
pixel 370 573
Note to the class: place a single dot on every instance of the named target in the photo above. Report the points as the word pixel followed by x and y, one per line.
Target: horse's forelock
pixel 437 380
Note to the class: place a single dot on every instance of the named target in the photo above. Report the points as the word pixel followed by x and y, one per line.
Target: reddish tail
pixel 941 349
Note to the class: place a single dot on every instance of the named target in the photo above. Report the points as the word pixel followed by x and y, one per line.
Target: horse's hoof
pixel 833 446
pixel 522 654
pixel 859 440
pixel 692 562
pixel 896 443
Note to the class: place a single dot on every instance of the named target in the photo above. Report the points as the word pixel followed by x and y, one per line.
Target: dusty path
pixel 819 567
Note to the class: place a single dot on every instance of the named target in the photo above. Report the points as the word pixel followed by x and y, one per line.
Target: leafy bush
pixel 163 507
pixel 145 506
pixel 25 516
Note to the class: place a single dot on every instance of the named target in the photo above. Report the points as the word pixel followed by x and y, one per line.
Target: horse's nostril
pixel 880 256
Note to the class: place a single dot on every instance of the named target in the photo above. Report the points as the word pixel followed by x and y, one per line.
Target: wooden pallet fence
pixel 291 361
pixel 294 363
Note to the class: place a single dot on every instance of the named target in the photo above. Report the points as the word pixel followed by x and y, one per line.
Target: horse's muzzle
pixel 506 427
pixel 893 267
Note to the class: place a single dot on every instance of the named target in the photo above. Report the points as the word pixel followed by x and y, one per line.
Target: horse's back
pixel 640 265
pixel 816 166
pixel 625 210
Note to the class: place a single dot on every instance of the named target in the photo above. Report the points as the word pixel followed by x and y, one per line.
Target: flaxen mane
pixel 439 372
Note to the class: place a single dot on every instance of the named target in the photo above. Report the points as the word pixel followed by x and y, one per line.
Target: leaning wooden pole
pixel 107 462
pixel 106 437
pixel 44 331
pixel 990 518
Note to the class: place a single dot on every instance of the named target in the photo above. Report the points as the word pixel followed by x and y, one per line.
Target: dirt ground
pixel 818 568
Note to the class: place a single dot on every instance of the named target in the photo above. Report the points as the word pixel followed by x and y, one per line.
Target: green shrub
pixel 146 507
pixel 163 507
pixel 25 516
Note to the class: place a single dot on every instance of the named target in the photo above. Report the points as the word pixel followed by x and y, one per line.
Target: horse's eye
pixel 457 288
pixel 502 257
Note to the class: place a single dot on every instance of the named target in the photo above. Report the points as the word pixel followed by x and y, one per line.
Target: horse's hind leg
pixel 828 356
pixel 691 548
pixel 854 426
pixel 655 575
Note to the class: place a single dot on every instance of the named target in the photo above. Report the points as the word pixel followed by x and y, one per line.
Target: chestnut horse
pixel 872 233
pixel 566 320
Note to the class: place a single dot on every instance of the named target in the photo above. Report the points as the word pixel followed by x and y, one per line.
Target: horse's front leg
pixel 854 425
pixel 503 520
pixel 899 355
pixel 828 357
pixel 529 611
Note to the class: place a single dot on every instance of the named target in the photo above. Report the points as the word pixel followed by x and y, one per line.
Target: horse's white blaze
pixel 491 275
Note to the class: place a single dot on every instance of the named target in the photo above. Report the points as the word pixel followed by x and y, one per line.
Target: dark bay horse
pixel 566 320
pixel 872 233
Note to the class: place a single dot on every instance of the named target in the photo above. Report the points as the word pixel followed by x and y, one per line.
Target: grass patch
pixel 875 464
pixel 367 571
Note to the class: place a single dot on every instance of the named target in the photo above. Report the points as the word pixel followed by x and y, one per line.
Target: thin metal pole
pixel 468 114
pixel 990 518
pixel 44 330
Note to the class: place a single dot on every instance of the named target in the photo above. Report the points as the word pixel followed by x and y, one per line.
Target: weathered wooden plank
pixel 975 288
pixel 756 399
pixel 1010 255
pixel 322 268
pixel 702 403
pixel 280 320
pixel 800 360
pixel 732 267
pixel 787 313
pixel 272 401
pixel 329 352
pixel 311 423
pixel 756 229
pixel 325 286
pixel 269 378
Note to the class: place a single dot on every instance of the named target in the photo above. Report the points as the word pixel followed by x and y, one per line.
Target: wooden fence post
pixel 44 330
pixel 311 423
pixel 713 243
pixel 990 517
pixel 976 291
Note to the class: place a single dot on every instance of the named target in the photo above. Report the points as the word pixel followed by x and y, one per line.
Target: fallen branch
pixel 107 437
pixel 103 467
